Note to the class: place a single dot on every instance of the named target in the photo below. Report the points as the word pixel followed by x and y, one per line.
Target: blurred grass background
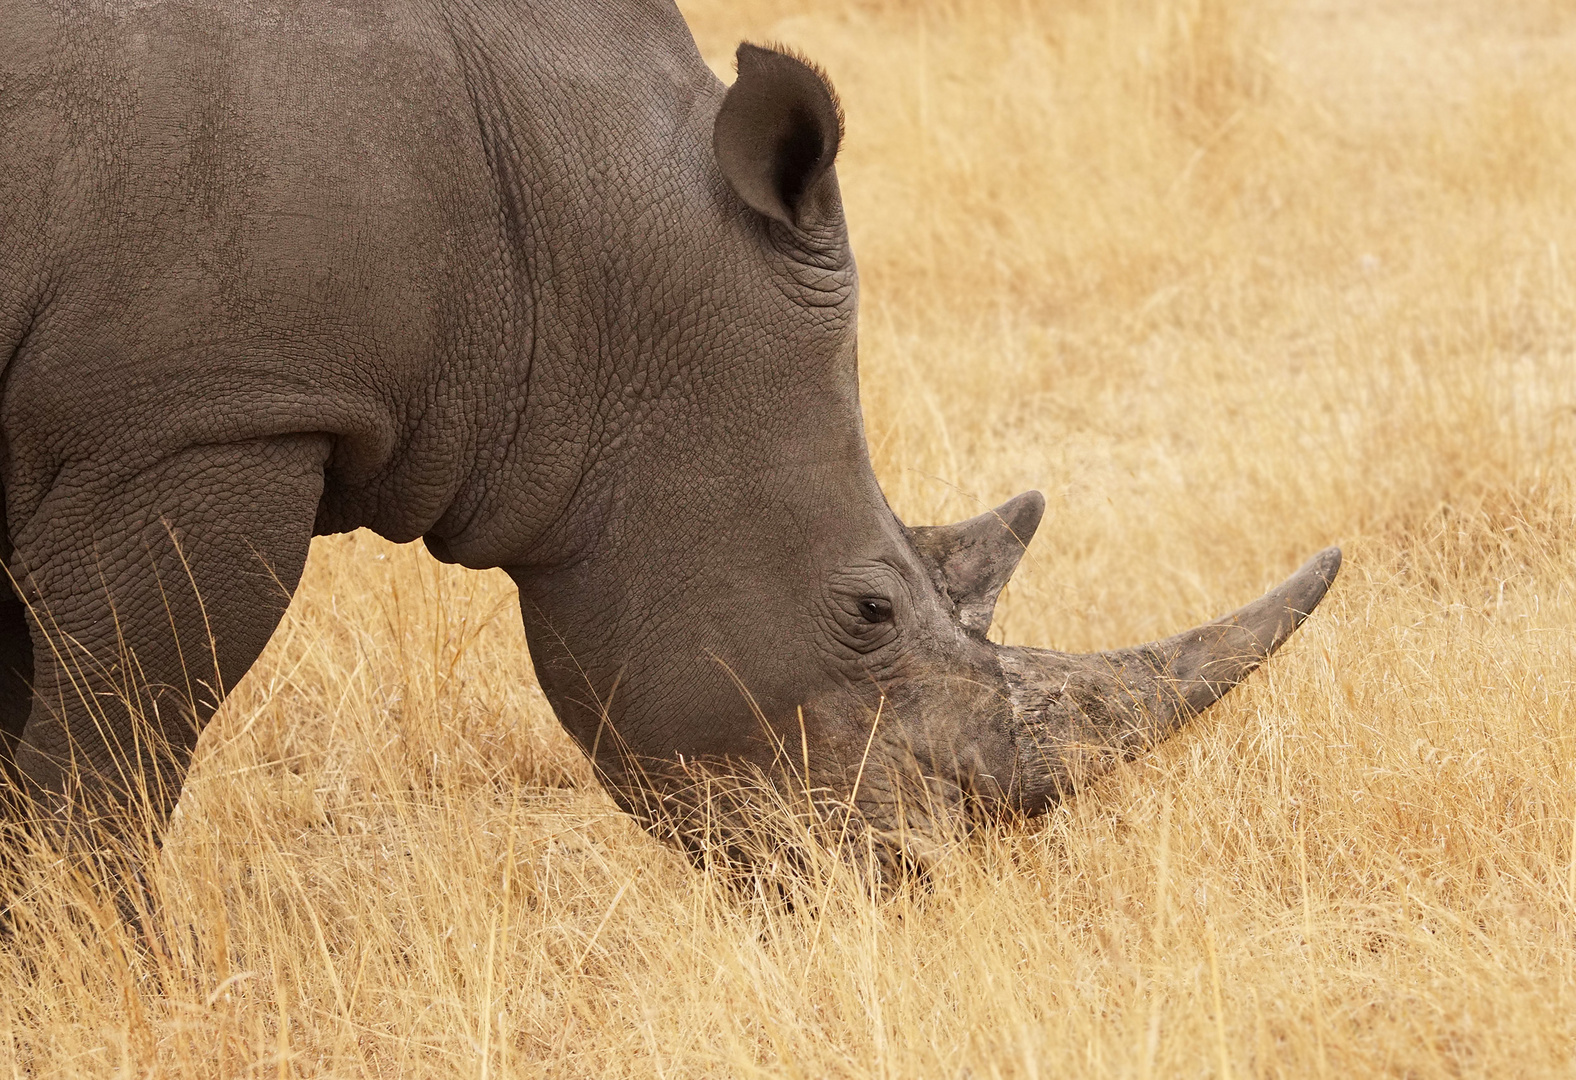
pixel 1229 280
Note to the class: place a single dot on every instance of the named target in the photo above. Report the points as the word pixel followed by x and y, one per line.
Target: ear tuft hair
pixel 820 73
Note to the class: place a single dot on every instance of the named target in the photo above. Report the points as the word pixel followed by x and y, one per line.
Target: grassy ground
pixel 1228 280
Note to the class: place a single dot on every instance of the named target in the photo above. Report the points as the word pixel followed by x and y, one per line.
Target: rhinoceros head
pixel 747 595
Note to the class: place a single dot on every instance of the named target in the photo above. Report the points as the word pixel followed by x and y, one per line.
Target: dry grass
pixel 1229 280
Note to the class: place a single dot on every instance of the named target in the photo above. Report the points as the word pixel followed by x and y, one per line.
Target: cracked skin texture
pixel 490 273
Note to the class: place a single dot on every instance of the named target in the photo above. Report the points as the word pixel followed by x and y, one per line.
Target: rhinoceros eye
pixel 875 610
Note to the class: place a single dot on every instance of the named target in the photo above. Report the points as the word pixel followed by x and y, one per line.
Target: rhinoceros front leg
pixel 150 594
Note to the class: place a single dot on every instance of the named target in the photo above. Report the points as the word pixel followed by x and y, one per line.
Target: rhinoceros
pixel 525 280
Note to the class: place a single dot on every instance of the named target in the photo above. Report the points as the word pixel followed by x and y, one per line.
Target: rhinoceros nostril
pixel 875 610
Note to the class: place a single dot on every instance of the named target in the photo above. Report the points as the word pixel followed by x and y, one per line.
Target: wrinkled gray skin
pixel 524 280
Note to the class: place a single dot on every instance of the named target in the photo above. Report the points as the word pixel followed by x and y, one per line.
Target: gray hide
pixel 523 279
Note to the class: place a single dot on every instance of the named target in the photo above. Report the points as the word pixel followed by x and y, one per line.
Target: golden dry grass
pixel 1229 280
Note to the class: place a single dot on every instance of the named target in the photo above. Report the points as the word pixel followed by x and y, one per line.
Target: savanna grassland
pixel 1229 280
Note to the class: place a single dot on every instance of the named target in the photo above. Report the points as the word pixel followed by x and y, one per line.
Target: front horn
pixel 1075 716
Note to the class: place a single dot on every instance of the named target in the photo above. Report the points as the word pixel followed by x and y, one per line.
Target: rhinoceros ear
pixel 973 559
pixel 777 134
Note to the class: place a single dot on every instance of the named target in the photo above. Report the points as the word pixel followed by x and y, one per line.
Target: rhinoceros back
pixel 226 221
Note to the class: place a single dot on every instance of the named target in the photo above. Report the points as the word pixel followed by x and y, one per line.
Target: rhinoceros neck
pixel 594 127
